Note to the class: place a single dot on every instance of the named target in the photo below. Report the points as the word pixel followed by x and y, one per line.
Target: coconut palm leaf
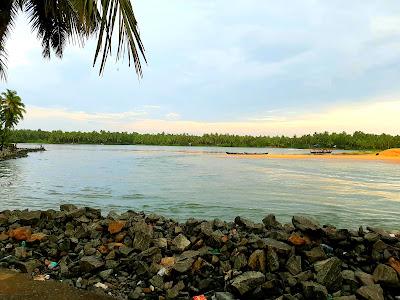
pixel 58 22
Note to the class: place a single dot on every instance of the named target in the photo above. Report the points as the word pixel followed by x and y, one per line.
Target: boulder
pixel 314 291
pixel 247 281
pixel 180 242
pixel 293 265
pixel 272 260
pixel 371 292
pixel 329 273
pixel 30 217
pixel 142 234
pixel 257 261
pixel 305 224
pixel 271 222
pixel 21 233
pixel 90 263
pixel 364 278
pixel 116 226
pixel 386 276
pixel 277 246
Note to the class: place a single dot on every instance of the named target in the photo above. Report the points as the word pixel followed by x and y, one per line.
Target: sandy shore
pixel 391 155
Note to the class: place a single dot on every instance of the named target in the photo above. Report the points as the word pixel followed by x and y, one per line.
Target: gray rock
pixel 314 291
pixel 371 292
pixel 386 276
pixel 352 297
pixel 180 242
pixel 30 217
pixel 257 261
pixel 248 281
pixel 125 251
pixel 364 278
pixel 136 294
pixel 329 273
pixel 224 296
pixel 293 265
pixel 305 224
pixel 272 260
pixel 349 279
pixel 315 254
pixel 68 207
pixel 142 234
pixel 174 291
pixel 248 224
pixel 277 246
pixel 90 263
pixel 239 261
pixel 106 274
pixel 160 243
pixel 271 222
pixel 183 264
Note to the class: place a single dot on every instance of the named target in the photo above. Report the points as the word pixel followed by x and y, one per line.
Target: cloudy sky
pixel 240 66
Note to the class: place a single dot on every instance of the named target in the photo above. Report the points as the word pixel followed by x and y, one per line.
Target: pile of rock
pixel 138 256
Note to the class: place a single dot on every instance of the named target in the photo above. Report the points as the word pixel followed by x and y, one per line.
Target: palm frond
pixel 8 12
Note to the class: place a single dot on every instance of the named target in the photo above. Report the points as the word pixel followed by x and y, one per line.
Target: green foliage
pixel 11 112
pixel 58 22
pixel 355 141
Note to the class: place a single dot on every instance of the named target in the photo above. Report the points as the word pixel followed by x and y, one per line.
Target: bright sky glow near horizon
pixel 250 67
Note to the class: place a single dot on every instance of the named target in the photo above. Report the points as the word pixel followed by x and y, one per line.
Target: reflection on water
pixel 184 182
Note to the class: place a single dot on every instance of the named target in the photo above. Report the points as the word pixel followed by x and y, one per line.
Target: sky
pixel 241 67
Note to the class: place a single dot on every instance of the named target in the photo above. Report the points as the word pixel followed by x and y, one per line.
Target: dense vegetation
pixel 11 112
pixel 358 140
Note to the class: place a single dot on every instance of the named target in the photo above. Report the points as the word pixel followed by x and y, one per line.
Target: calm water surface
pixel 184 182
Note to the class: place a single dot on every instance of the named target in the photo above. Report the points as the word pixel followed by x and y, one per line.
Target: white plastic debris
pixel 392 235
pixel 101 285
pixel 162 272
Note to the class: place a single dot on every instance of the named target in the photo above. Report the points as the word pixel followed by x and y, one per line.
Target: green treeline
pixel 356 141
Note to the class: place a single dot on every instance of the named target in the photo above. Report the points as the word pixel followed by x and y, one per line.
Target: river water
pixel 203 182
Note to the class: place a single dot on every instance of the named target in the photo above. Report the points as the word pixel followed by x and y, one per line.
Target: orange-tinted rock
pixel 146 290
pixel 395 264
pixel 297 240
pixel 120 237
pixel 115 245
pixel 37 237
pixel 21 233
pixel 168 261
pixel 224 239
pixel 103 249
pixel 3 236
pixel 116 226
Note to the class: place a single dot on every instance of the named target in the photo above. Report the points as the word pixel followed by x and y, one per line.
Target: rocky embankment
pixel 138 256
pixel 18 153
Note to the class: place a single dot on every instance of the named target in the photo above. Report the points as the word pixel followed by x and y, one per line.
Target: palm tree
pixel 58 22
pixel 11 112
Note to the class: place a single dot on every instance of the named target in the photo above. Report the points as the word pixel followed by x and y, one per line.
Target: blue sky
pixel 243 66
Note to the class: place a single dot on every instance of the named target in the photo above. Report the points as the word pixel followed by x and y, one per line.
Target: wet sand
pixel 17 286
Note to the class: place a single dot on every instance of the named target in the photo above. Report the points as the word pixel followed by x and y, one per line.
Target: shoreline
pixel 138 256
pixel 18 153
pixel 339 156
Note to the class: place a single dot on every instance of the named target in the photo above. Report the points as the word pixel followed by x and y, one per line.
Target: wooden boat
pixel 320 151
pixel 246 153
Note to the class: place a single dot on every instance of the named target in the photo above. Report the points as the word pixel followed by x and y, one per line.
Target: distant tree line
pixel 356 141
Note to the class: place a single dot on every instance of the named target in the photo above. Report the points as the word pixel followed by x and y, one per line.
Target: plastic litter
pixel 43 277
pixel 200 297
pixel 392 235
pixel 53 265
pixel 162 272
pixel 101 285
